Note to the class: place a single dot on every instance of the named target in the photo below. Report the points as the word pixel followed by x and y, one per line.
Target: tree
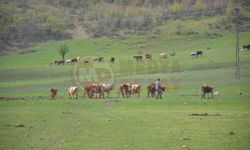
pixel 63 50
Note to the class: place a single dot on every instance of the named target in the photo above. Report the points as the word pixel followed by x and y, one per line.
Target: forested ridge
pixel 25 22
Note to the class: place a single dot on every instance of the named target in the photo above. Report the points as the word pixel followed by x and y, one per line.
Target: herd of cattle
pixel 138 58
pixel 125 89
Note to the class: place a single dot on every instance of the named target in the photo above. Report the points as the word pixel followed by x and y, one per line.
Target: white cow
pixel 73 92
pixel 163 55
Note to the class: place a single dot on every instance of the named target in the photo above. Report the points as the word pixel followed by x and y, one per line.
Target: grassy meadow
pixel 181 120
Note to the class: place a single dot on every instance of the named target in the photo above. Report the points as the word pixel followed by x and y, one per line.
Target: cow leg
pixel 203 96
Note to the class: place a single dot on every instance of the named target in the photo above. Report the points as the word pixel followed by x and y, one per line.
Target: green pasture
pixel 181 120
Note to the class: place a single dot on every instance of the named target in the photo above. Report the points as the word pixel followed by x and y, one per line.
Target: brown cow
pixel 135 89
pixel 125 90
pixel 151 90
pixel 53 93
pixel 206 89
pixel 94 89
pixel 148 56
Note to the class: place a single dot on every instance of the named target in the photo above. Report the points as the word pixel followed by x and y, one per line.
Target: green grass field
pixel 30 120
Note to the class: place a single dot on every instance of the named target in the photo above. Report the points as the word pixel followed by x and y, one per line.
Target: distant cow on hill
pixel 197 53
pixel 53 93
pixel 163 55
pixel 247 47
pixel 59 62
pixel 148 56
pixel 206 89
pixel 112 60
pixel 98 59
pixel 73 92
pixel 138 58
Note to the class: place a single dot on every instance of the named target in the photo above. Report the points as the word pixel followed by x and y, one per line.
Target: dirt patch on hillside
pixel 79 30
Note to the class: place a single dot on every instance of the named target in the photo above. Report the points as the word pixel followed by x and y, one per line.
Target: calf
pixel 206 89
pixel 53 93
pixel 73 92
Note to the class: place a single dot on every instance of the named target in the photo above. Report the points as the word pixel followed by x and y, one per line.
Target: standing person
pixel 158 88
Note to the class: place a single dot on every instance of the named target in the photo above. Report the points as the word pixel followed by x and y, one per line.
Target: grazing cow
pixel 100 59
pixel 73 92
pixel 148 56
pixel 163 55
pixel 94 89
pixel 68 61
pixel 151 90
pixel 107 88
pixel 247 47
pixel 58 62
pixel 74 60
pixel 78 58
pixel 197 53
pixel 85 62
pixel 172 53
pixel 53 93
pixel 206 89
pixel 135 89
pixel 138 58
pixel 112 60
pixel 125 90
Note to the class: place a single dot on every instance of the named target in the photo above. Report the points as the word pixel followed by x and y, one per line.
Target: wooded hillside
pixel 25 22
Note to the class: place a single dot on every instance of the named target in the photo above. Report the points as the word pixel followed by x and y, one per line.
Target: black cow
pixel 197 53
pixel 112 60
pixel 246 47
pixel 58 62
pixel 138 58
